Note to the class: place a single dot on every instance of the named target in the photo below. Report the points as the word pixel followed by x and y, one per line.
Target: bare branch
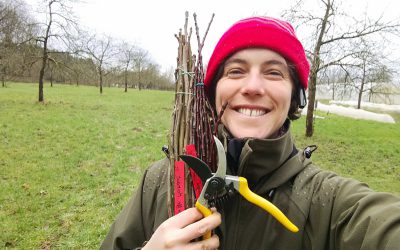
pixel 330 42
pixel 366 30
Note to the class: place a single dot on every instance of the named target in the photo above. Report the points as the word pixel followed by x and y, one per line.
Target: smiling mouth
pixel 252 112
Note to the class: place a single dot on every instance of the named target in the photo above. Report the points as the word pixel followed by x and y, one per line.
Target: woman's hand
pixel 178 231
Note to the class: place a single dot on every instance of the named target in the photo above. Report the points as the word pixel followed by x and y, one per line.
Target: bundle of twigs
pixel 203 114
pixel 193 121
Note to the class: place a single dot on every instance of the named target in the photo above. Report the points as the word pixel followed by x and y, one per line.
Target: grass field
pixel 69 165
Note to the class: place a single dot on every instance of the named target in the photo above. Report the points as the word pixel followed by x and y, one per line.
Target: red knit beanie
pixel 261 32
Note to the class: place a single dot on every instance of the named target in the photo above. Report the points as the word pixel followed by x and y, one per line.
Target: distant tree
pixel 79 68
pixel 102 51
pixel 15 31
pixel 48 47
pixel 127 56
pixel 51 68
pixel 151 74
pixel 141 61
pixel 331 37
pixel 60 24
pixel 331 77
pixel 367 69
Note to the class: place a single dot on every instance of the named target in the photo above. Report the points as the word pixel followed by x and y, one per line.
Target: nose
pixel 253 85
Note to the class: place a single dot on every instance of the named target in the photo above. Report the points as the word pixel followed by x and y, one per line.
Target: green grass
pixel 69 165
pixel 365 150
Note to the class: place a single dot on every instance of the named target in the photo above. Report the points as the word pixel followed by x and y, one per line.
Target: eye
pixel 234 72
pixel 274 74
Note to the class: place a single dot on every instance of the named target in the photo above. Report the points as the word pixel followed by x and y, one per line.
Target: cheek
pixel 285 97
pixel 220 95
pixel 217 99
pixel 288 99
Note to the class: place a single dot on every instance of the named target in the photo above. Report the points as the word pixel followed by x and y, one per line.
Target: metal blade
pixel 221 171
pixel 198 166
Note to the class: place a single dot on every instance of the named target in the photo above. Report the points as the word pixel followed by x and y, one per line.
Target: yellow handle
pixel 206 212
pixel 264 204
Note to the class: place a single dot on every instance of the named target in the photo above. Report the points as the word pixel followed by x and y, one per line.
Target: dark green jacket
pixel 331 212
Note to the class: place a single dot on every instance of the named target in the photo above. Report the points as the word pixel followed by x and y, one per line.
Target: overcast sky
pixel 152 24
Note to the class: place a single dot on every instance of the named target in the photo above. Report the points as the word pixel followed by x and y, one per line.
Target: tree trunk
pixel 45 54
pixel 101 83
pixel 360 96
pixel 51 78
pixel 139 84
pixel 311 102
pixel 41 75
pixel 363 79
pixel 43 67
pixel 3 80
pixel 126 80
pixel 100 70
pixel 314 73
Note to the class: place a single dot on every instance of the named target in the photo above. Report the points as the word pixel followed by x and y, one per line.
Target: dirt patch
pixel 137 129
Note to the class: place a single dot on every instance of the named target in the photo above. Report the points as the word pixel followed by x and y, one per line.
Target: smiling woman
pixel 259 69
pixel 257 86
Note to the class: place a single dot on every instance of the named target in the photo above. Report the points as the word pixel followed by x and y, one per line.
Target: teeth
pixel 251 112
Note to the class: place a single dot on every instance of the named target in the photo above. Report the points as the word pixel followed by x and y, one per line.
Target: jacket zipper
pixel 237 221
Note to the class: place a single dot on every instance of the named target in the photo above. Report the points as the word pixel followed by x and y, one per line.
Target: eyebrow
pixel 268 62
pixel 275 62
pixel 235 60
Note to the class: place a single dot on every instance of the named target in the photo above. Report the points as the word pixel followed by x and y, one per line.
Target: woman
pixel 260 69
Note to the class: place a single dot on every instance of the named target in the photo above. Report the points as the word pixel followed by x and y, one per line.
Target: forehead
pixel 257 55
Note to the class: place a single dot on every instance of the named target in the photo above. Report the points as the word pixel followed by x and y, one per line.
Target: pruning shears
pixel 218 186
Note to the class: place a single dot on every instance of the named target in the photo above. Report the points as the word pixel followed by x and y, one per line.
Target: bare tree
pixel 331 35
pixel 15 31
pixel 140 62
pixel 127 54
pixel 41 48
pixel 101 51
pixel 151 74
pixel 7 23
pixel 368 69
pixel 60 24
pixel 78 69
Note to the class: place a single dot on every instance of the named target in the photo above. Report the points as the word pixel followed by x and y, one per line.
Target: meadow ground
pixel 69 165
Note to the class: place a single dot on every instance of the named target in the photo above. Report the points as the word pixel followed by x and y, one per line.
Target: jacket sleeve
pixel 128 230
pixel 364 219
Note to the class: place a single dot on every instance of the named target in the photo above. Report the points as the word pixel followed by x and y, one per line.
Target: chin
pixel 246 133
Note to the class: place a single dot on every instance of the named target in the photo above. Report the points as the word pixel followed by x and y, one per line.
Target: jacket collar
pixel 265 163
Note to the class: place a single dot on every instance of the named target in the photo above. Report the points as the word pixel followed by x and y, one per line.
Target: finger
pixel 211 243
pixel 185 218
pixel 199 228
